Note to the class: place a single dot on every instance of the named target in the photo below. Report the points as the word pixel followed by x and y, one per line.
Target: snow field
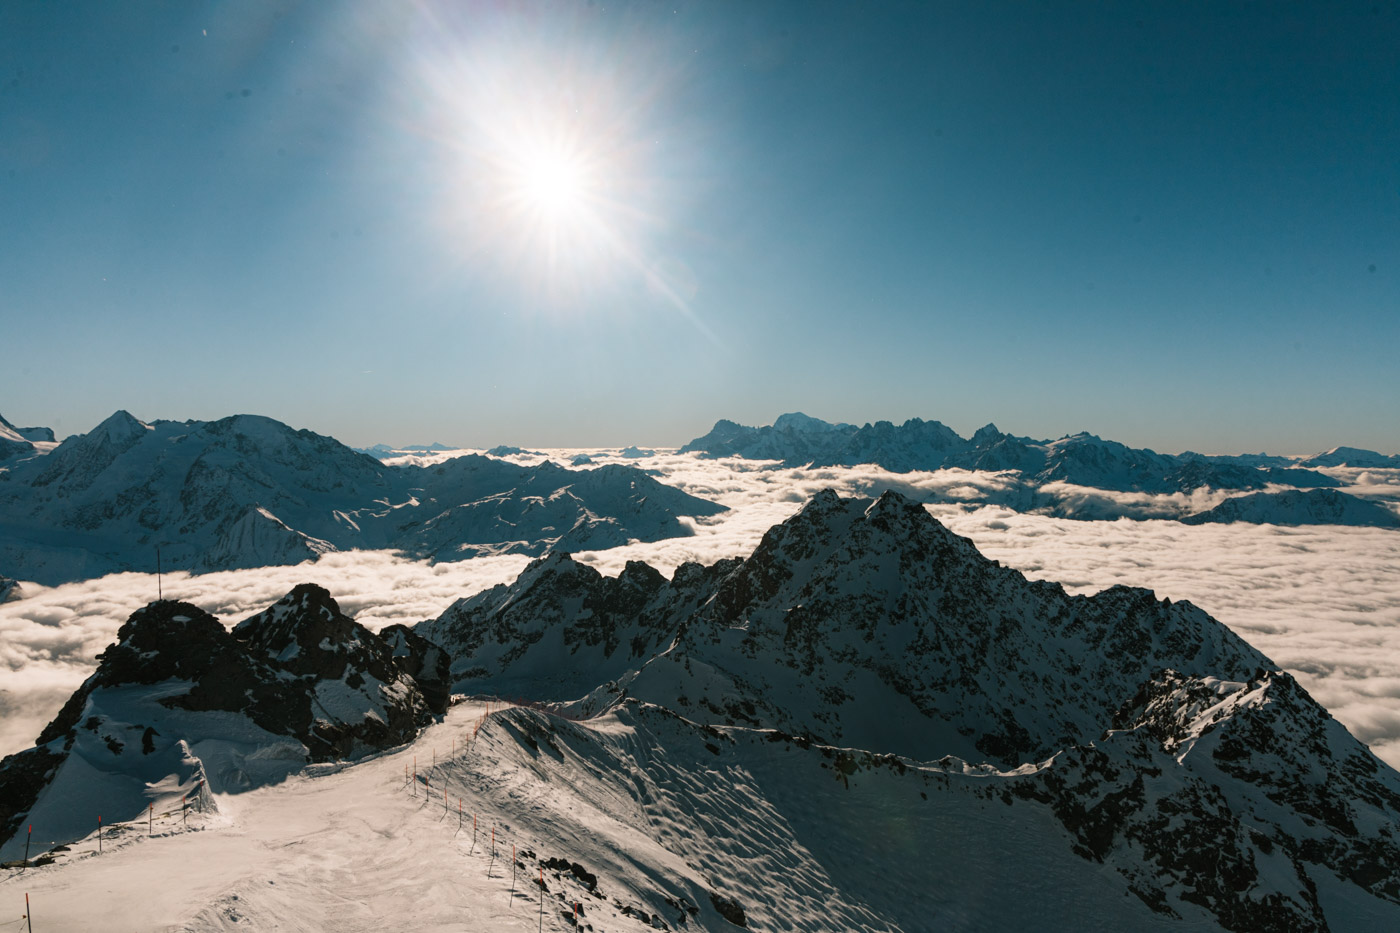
pixel 635 798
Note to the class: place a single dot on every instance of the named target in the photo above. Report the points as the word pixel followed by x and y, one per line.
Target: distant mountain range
pixel 1083 460
pixel 248 491
pixel 384 450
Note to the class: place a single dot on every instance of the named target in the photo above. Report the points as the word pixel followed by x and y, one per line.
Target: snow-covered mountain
pixel 947 652
pixel 22 442
pixel 248 491
pixel 1080 459
pixel 382 451
pixel 1163 746
pixel 1352 457
pixel 863 725
pixel 182 706
pixel 1299 507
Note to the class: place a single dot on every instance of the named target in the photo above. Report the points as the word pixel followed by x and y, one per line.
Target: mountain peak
pixel 798 422
pixel 986 435
pixel 306 632
pixel 120 427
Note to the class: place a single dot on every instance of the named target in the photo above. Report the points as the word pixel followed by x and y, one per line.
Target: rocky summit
pixel 1166 749
pixel 180 702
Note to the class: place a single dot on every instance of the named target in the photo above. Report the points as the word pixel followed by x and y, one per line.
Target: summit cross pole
pixel 160 593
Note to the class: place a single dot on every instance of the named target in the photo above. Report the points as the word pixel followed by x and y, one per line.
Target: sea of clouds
pixel 1323 602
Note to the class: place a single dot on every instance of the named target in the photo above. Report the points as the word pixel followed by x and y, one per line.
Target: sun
pixel 553 185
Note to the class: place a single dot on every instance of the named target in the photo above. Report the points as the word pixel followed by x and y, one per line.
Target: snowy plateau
pixel 763 706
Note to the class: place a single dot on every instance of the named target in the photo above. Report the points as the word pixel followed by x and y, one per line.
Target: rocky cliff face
pixel 180 695
pixel 947 652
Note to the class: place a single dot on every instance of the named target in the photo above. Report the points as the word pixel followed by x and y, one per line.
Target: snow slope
pixel 1299 507
pixel 651 822
pixel 23 442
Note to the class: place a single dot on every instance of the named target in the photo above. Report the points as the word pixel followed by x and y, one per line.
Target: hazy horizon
pixel 399 439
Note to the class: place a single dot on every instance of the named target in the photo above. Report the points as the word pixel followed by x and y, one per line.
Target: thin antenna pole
pixel 160 594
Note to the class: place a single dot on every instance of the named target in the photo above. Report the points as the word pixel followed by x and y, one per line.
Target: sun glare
pixel 554 185
pixel 551 175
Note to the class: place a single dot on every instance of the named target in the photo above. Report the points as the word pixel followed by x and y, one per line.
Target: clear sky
pixel 566 224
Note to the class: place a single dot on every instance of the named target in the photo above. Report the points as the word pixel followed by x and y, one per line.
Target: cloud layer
pixel 1323 602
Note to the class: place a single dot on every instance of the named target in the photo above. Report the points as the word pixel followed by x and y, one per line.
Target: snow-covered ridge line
pixel 1078 476
pixel 1142 725
pixel 247 491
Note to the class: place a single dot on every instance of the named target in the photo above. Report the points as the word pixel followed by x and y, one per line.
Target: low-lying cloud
pixel 1322 601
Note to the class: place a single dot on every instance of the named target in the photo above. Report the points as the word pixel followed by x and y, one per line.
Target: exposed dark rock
pixel 300 669
pixel 427 663
pixel 728 909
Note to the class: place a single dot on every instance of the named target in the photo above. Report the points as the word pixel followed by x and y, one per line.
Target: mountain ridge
pixel 1081 458
pixel 849 723
pixel 249 491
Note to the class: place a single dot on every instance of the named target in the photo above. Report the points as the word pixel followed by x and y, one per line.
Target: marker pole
pixel 28 919
pixel 150 820
pixel 99 834
pixel 26 846
pixel 185 811
pixel 541 899
pixel 512 875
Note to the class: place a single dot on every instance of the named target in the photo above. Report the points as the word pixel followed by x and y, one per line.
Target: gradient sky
pixel 1172 224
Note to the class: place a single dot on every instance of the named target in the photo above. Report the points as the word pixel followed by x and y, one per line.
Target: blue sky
pixel 1176 225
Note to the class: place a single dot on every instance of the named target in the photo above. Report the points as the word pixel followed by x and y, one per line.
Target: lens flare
pixel 548 145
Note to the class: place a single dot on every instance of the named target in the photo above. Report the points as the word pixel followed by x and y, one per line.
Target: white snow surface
pixel 660 812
